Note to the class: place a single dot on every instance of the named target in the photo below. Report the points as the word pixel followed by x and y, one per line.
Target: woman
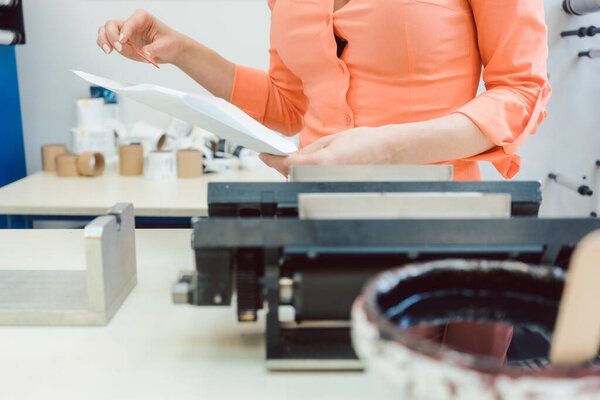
pixel 383 82
pixel 379 82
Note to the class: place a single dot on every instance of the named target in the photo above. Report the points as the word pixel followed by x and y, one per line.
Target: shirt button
pixel 327 20
pixel 347 119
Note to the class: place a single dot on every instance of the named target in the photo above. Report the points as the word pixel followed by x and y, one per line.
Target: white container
pixel 95 139
pixel 161 165
pixel 90 113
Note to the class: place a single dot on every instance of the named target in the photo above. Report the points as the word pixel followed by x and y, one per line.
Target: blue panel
pixel 12 151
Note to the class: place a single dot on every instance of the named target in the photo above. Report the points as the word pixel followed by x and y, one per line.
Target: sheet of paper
pixel 223 118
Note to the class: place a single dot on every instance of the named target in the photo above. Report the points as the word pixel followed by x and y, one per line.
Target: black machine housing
pixel 252 244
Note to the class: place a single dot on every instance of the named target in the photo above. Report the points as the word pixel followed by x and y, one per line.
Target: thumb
pixel 139 21
pixel 157 49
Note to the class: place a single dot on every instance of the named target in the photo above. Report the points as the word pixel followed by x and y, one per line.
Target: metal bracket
pixel 81 297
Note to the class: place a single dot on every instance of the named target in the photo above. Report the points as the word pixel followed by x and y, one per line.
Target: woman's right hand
pixel 154 38
pixel 165 45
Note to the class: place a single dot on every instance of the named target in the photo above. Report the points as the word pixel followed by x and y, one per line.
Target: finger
pixel 317 145
pixel 297 159
pixel 156 49
pixel 270 159
pixel 103 41
pixel 112 29
pixel 139 21
pixel 302 159
pixel 276 162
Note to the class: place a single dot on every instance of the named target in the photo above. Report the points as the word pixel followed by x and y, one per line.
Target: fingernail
pixel 106 48
pixel 118 46
pixel 121 37
pixel 148 54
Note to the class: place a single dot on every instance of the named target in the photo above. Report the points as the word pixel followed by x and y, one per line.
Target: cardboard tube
pixel 49 153
pixel 91 164
pixel 131 160
pixel 189 163
pixel 66 165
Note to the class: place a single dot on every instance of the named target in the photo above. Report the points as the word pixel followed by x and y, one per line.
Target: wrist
pixel 393 140
pixel 187 49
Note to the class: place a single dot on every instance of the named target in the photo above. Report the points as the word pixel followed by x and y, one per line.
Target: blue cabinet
pixel 12 151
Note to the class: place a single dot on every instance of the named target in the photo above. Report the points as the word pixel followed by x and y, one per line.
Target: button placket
pixel 346 117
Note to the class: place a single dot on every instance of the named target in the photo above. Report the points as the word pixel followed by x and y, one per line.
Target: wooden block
pixel 403 205
pixel 371 173
pixel 576 338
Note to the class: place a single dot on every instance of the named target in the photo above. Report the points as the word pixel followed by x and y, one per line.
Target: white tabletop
pixel 45 193
pixel 152 349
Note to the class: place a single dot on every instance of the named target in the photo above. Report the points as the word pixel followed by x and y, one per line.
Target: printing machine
pixel 254 245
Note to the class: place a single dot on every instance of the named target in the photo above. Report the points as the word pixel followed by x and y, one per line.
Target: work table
pixel 152 349
pixel 44 193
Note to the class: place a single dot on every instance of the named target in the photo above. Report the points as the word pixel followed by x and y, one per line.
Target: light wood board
pixel 44 193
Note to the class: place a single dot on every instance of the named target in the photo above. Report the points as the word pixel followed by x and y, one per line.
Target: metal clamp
pixel 187 282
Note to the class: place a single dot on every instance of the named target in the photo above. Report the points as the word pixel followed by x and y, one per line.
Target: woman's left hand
pixel 453 137
pixel 358 146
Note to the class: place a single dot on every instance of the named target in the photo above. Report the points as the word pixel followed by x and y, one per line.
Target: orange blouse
pixel 405 61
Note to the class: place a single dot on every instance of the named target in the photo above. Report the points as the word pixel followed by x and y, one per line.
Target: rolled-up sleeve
pixel 275 99
pixel 513 45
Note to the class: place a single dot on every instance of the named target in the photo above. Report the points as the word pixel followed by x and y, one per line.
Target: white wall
pixel 61 37
pixel 569 139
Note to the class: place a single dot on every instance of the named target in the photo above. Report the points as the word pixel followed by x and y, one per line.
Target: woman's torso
pixel 405 61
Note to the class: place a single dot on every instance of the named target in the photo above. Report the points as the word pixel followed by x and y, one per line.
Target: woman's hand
pixel 154 38
pixel 453 137
pixel 165 45
pixel 358 146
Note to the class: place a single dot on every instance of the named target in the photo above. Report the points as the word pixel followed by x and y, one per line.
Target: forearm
pixel 445 139
pixel 206 67
pixel 453 137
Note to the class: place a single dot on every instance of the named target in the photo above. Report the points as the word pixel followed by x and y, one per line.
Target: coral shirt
pixel 405 61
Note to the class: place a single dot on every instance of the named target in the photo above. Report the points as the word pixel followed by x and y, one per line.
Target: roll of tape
pixel 131 160
pixel 146 134
pixel 96 140
pixel 222 165
pixel 91 164
pixel 66 165
pixel 161 166
pixel 49 154
pixel 189 164
pixel 179 128
pixel 90 113
pixel 166 142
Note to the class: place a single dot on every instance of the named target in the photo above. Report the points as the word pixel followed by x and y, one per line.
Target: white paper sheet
pixel 224 119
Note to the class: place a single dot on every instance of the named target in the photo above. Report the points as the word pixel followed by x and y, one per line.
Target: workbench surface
pixel 152 349
pixel 44 193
